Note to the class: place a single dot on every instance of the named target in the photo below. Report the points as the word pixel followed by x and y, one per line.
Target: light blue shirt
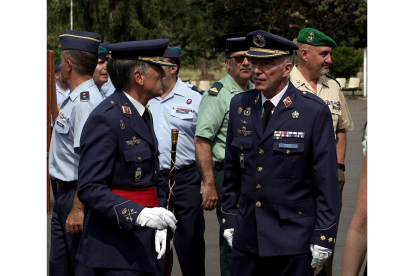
pixel 60 96
pixel 178 110
pixel 64 146
pixel 107 88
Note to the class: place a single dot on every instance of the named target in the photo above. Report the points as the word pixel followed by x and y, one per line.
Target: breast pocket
pixel 62 127
pixel 182 120
pixel 292 150
pixel 139 163
pixel 335 110
pixel 243 147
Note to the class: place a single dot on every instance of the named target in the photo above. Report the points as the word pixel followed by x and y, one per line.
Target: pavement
pixel 353 163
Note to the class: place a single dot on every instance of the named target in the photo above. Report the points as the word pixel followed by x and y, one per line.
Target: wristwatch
pixel 341 167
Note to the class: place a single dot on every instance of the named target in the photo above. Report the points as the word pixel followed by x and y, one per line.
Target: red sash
pixel 146 197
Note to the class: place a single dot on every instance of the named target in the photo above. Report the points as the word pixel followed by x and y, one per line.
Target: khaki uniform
pixel 329 91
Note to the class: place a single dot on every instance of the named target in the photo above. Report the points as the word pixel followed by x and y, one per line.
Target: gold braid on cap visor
pixel 159 60
pixel 84 37
pixel 269 51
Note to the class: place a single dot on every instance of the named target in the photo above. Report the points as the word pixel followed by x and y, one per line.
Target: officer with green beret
pixel 311 74
pixel 210 136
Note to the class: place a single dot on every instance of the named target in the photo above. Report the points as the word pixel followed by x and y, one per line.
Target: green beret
pixel 316 38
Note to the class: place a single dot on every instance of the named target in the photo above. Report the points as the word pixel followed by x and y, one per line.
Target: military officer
pixel 100 76
pixel 61 89
pixel 78 62
pixel 280 198
pixel 177 108
pixel 119 177
pixel 311 74
pixel 212 128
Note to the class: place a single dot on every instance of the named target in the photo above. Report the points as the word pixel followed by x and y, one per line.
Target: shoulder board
pixel 215 88
pixel 312 96
pixel 84 96
pixel 195 88
pixel 331 77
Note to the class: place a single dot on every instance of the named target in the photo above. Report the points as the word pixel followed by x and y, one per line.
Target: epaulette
pixel 312 96
pixel 84 96
pixel 215 88
pixel 331 77
pixel 195 88
pixel 107 104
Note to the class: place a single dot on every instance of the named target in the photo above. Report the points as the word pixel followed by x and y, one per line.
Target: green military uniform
pixel 213 119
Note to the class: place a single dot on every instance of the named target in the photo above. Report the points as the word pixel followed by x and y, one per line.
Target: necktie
pixel 146 117
pixel 268 106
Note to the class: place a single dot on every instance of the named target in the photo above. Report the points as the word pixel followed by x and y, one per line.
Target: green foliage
pixel 346 62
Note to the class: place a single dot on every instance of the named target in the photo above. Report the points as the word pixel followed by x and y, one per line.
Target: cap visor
pixel 256 54
pixel 160 62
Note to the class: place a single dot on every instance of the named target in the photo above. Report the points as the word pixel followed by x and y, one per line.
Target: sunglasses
pixel 238 58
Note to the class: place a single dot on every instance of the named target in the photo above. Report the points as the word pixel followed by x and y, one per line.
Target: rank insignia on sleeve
pixel 122 125
pixel 330 239
pixel 189 101
pixel 244 132
pixel 240 110
pixel 128 213
pixel 287 101
pixel 295 115
pixel 126 110
pixel 323 238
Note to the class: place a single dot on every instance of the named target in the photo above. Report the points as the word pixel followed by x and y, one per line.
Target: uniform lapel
pixel 281 114
pixel 257 115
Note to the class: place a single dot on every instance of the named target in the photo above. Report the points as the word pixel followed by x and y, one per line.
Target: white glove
pixel 319 254
pixel 160 242
pixel 157 218
pixel 228 235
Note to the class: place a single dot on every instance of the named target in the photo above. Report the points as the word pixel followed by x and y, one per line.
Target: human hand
pixel 319 255
pixel 210 197
pixel 157 218
pixel 228 235
pixel 74 221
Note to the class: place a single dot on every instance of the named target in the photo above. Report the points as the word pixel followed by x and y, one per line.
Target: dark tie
pixel 268 106
pixel 146 117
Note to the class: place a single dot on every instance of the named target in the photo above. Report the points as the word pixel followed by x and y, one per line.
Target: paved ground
pixel 354 158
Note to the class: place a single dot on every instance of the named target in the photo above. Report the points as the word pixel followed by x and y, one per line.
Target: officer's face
pixel 269 73
pixel 238 66
pixel 100 76
pixel 319 59
pixel 152 80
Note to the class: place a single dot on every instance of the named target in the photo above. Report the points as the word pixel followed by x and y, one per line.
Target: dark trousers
pixel 63 246
pixel 326 269
pixel 247 264
pixel 119 272
pixel 189 235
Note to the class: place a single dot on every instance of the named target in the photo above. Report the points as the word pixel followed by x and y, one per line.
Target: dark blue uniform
pixel 280 191
pixel 118 150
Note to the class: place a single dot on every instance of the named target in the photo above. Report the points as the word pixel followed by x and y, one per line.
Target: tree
pixel 346 62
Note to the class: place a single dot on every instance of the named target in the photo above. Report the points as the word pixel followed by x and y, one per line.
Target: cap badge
pixel 189 101
pixel 287 101
pixel 310 37
pixel 126 110
pixel 295 115
pixel 259 40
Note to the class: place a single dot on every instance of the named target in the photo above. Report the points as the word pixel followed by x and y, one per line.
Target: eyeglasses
pixel 237 58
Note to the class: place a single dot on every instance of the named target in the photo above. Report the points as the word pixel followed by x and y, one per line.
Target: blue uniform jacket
pixel 282 194
pixel 109 238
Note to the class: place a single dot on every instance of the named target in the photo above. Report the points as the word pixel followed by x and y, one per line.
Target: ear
pixel 138 77
pixel 173 70
pixel 287 68
pixel 303 54
pixel 70 65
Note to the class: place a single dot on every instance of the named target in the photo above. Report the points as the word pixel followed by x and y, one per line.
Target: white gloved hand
pixel 157 218
pixel 228 235
pixel 319 254
pixel 160 242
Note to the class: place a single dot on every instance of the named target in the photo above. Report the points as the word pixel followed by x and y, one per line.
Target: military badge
pixel 214 89
pixel 247 112
pixel 259 41
pixel 257 98
pixel 287 101
pixel 121 124
pixel 242 160
pixel 138 174
pixel 133 142
pixel 240 110
pixel 244 132
pixel 112 102
pixel 126 110
pixel 130 212
pixel 189 101
pixel 295 115
pixel 124 211
pixel 310 37
pixel 85 96
pixel 244 122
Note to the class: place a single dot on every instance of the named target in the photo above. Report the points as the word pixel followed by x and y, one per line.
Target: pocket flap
pixel 241 205
pixel 184 115
pixel 242 143
pixel 291 145
pixel 296 209
pixel 62 126
pixel 137 155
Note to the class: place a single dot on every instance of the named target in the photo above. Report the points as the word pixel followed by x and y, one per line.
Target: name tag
pixel 181 110
pixel 288 146
pixel 59 124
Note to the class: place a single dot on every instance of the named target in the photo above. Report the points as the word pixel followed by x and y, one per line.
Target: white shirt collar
pixel 276 99
pixel 138 105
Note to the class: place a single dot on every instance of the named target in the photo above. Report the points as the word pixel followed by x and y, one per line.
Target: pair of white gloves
pixel 159 219
pixel 319 253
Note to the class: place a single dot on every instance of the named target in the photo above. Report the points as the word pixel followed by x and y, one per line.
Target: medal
pixel 121 124
pixel 295 115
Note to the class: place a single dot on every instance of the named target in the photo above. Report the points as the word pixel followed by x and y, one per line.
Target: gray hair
pixel 121 71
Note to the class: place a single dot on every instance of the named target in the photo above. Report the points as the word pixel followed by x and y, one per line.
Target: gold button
pixel 258 186
pixel 259 169
pixel 241 148
pixel 304 92
pixel 261 151
pixel 258 204
pixel 139 158
pixel 112 102
pixel 300 213
pixel 155 172
pixel 238 206
pixel 223 220
pixel 287 151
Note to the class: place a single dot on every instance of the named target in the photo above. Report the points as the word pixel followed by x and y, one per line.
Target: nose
pixel 255 69
pixel 246 61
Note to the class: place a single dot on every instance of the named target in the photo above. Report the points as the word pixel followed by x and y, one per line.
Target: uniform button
pixel 241 148
pixel 258 187
pixel 259 169
pixel 261 151
pixel 139 158
pixel 155 172
pixel 238 206
pixel 287 151
pixel 160 125
pixel 258 204
pixel 223 220
pixel 300 213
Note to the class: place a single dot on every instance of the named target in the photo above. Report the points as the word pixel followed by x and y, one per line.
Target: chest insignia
pixel 189 101
pixel 244 122
pixel 133 142
pixel 287 101
pixel 121 124
pixel 244 132
pixel 138 174
pixel 295 115
pixel 126 110
pixel 248 111
pixel 240 110
pixel 257 98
